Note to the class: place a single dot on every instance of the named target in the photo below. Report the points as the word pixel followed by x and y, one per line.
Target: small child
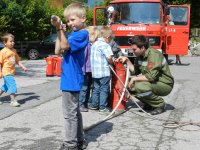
pixel 115 48
pixel 8 59
pixel 101 57
pixel 85 90
pixel 73 47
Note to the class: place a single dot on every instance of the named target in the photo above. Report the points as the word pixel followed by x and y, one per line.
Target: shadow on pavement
pixel 31 96
pixel 182 64
pixel 5 99
pixel 23 101
pixel 170 62
pixel 30 93
pixel 93 134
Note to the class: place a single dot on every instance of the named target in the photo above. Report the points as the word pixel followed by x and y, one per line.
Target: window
pixel 178 16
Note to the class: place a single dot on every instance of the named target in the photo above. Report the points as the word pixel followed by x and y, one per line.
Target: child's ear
pixel 83 18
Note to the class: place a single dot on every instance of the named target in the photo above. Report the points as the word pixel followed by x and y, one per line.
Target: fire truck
pixel 165 26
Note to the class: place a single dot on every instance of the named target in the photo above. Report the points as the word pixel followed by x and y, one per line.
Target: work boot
pixel 158 110
pixel 147 107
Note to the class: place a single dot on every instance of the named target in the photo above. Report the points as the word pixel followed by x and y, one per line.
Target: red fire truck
pixel 165 26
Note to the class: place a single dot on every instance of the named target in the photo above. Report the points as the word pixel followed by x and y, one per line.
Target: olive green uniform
pixel 154 67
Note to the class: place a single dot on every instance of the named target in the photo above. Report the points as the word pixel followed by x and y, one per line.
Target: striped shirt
pixel 100 50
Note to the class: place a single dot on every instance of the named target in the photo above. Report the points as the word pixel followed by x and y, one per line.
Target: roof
pixel 124 1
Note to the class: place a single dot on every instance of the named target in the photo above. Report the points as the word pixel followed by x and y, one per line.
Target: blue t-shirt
pixel 73 60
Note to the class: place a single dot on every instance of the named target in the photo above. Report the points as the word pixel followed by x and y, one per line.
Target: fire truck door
pixel 99 13
pixel 177 30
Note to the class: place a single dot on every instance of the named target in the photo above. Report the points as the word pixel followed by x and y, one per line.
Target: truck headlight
pixel 154 40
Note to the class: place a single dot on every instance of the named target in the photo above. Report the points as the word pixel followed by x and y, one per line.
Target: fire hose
pixel 167 123
pixel 112 115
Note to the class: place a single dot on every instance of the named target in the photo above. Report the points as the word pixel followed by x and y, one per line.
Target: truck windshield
pixel 132 13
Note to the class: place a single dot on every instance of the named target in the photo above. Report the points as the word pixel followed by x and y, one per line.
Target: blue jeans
pixel 100 92
pixel 85 90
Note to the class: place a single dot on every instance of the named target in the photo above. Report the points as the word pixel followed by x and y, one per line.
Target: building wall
pixel 56 3
pixel 91 3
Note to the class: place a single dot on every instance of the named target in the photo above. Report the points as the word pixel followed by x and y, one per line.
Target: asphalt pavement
pixel 38 124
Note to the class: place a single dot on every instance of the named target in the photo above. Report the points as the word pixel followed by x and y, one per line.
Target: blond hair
pixel 75 9
pixel 106 32
pixel 6 36
pixel 93 33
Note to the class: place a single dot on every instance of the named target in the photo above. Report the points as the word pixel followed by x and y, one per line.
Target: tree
pixel 177 2
pixel 11 16
pixel 195 15
pixel 26 19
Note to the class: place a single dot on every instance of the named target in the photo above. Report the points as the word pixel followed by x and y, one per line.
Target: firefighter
pixel 153 77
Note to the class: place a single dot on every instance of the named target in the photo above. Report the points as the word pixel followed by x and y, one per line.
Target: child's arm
pixel 0 72
pixel 57 47
pixel 56 22
pixel 22 66
pixel 62 39
pixel 110 60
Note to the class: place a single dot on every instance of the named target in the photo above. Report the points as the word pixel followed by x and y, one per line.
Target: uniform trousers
pixel 149 93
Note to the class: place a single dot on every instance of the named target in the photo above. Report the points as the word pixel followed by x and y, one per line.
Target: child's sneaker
pixel 83 109
pixel 105 110
pixel 14 103
pixel 92 107
pixel 1 102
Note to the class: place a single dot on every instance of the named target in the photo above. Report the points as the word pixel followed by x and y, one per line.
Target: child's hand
pixel 56 21
pixel 25 69
pixel 122 59
pixel 64 27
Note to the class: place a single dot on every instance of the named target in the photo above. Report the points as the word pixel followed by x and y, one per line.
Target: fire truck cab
pixel 165 26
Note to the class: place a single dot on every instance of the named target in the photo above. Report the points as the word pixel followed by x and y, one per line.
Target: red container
pixel 49 66
pixel 117 87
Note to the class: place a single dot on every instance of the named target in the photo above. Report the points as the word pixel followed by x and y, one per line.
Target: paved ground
pixel 38 123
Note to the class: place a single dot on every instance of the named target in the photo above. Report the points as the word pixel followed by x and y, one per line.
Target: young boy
pixel 72 75
pixel 86 88
pixel 8 59
pixel 101 57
